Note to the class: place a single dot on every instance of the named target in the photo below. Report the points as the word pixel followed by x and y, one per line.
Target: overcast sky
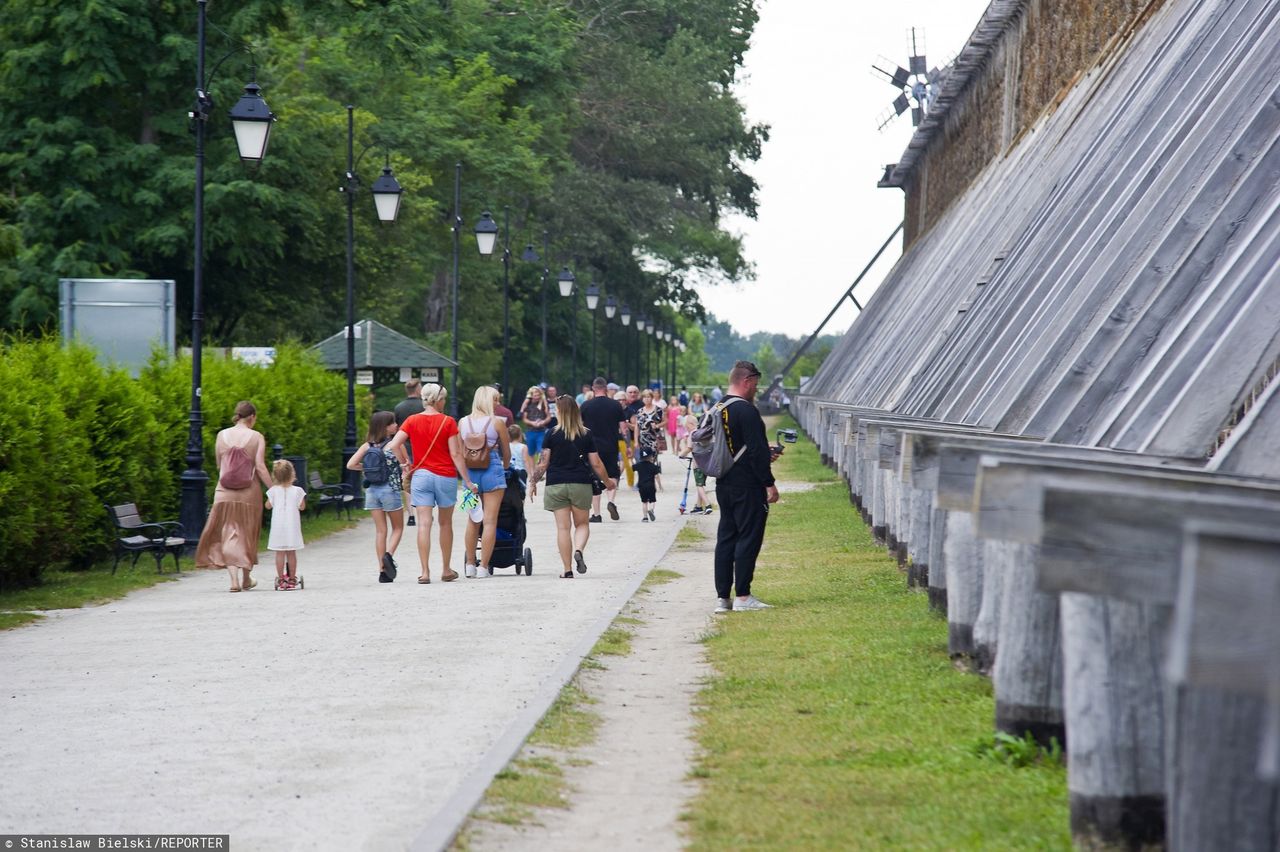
pixel 821 217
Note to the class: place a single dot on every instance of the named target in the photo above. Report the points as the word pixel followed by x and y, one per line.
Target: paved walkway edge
pixel 448 821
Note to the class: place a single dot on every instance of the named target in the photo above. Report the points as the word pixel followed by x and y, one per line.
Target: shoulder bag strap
pixel 418 463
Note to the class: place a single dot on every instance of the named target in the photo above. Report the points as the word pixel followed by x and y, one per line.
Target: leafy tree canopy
pixel 608 124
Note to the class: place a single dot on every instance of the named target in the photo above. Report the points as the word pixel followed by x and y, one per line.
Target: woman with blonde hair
pixel 536 415
pixel 230 537
pixel 437 465
pixel 487 453
pixel 569 462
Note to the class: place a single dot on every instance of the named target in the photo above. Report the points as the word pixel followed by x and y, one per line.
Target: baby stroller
pixel 509 538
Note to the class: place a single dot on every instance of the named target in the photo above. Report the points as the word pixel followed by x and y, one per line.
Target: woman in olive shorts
pixel 568 459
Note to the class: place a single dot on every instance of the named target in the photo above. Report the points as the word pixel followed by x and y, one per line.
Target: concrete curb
pixel 448 821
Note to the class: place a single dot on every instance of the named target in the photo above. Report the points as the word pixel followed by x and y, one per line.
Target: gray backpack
pixel 711 441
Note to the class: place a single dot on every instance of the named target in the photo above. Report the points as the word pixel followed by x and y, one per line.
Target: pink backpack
pixel 236 469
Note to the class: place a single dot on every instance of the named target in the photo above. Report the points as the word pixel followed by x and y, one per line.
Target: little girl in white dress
pixel 286 502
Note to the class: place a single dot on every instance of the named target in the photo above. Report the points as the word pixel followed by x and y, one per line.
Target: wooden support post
pixel 1225 665
pixel 938 560
pixel 963 558
pixel 1028 668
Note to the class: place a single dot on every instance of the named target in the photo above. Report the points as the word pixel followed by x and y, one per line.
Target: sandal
pixel 423 581
pixel 236 589
pixel 449 575
pixel 567 575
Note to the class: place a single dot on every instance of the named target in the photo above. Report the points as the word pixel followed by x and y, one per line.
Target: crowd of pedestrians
pixel 579 449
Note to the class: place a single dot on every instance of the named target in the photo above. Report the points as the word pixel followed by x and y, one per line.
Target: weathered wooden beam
pixel 1224 661
pixel 958 463
pixel 1008 486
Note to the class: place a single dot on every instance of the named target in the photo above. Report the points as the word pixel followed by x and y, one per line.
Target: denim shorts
pixel 533 440
pixel 492 478
pixel 383 497
pixel 432 489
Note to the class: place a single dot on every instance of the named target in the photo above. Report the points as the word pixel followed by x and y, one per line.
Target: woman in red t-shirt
pixel 434 474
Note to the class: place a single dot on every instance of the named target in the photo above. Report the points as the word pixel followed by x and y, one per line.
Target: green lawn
pixel 67 589
pixel 837 720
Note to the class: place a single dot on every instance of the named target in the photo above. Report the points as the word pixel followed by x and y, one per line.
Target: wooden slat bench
pixel 136 536
pixel 320 495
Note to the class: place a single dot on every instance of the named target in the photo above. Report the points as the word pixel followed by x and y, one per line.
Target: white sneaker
pixel 724 605
pixel 470 571
pixel 751 602
pixel 482 573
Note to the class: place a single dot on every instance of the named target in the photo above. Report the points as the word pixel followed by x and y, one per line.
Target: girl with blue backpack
pixel 382 494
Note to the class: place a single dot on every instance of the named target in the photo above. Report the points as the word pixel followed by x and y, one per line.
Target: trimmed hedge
pixel 75 435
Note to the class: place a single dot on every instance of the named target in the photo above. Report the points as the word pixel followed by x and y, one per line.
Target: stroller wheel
pixel 517 569
pixel 528 562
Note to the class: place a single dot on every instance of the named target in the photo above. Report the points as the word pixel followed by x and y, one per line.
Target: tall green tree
pixel 611 126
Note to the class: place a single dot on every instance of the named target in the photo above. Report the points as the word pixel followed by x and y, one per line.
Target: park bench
pixel 320 495
pixel 136 536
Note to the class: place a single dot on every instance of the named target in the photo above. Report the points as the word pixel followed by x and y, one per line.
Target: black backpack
pixel 377 468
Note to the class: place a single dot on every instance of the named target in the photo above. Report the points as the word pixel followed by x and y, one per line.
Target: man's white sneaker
pixel 750 602
pixel 724 605
pixel 482 573
pixel 470 571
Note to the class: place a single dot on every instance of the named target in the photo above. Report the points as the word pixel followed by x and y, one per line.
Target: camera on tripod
pixel 787 435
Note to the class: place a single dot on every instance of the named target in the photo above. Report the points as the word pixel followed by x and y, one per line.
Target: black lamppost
pixel 251 121
pixel 593 299
pixel 675 347
pixel 651 351
pixel 486 238
pixel 642 364
pixel 457 246
pixel 566 279
pixel 531 256
pixel 666 357
pixel 386 201
pixel 610 308
pixel 625 316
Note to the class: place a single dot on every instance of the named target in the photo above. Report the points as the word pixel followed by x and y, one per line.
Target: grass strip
pixel 64 588
pixel 690 536
pixel 837 721
pixel 659 577
pixel 535 777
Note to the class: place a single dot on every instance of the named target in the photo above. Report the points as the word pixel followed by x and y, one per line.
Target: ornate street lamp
pixel 386 193
pixel 251 120
pixel 593 299
pixel 610 309
pixel 625 316
pixel 566 281
pixel 486 234
pixel 486 238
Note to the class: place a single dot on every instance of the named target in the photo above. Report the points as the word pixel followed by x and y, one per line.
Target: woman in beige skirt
pixel 230 537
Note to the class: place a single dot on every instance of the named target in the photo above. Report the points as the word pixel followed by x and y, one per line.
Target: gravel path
pixel 630 785
pixel 349 715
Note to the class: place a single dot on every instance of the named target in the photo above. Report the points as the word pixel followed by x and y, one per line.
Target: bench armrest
pixel 157 531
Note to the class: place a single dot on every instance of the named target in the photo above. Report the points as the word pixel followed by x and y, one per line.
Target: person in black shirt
pixel 744 493
pixel 569 460
pixel 602 416
pixel 406 408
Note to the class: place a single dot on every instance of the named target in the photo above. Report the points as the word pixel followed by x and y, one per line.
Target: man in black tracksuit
pixel 744 493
